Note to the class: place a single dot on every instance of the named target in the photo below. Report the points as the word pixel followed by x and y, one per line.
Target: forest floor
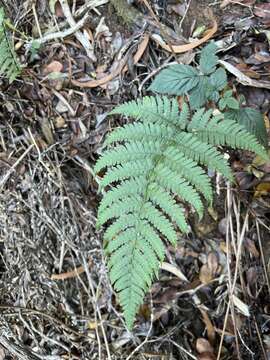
pixel 56 301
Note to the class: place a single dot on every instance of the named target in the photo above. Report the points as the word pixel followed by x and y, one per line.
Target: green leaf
pixel 208 59
pixel 218 79
pixel 222 104
pixel 252 120
pixel 176 80
pixel 232 103
pixel 199 96
pixel 228 94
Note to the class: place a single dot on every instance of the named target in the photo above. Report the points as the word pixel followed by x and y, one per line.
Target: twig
pixel 61 34
pixel 79 35
pixel 69 274
pixel 12 168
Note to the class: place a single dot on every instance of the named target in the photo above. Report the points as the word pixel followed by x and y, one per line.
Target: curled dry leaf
pixel 177 49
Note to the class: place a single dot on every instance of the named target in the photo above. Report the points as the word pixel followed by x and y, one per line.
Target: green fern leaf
pixel 152 166
pixel 9 65
pixel 220 131
pixel 251 119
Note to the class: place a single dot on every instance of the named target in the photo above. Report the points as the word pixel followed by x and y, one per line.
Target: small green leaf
pixel 228 94
pixel 222 104
pixel 199 96
pixel 232 103
pixel 219 79
pixel 252 120
pixel 175 80
pixel 208 59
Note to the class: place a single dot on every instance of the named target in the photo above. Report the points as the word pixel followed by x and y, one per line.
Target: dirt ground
pixel 56 301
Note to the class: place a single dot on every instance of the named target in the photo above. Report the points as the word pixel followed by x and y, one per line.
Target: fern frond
pixel 219 131
pixel 123 190
pixel 151 166
pixel 189 170
pixel 9 65
pixel 125 171
pixel 165 201
pixel 151 109
pixel 203 153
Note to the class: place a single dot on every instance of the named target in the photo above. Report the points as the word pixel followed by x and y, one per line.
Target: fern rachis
pixel 152 166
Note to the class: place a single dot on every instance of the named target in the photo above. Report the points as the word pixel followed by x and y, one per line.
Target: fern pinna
pixel 9 65
pixel 153 166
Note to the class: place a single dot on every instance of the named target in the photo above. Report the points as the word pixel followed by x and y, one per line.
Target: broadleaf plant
pixel 154 168
pixel 208 84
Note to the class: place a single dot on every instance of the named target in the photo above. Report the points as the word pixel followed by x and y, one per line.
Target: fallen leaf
pixel 242 307
pixel 213 262
pixel 242 78
pixel 205 275
pixel 250 245
pixel 177 49
pixel 53 67
pixel 46 130
pixel 203 345
pixel 173 270
pixel 263 189
pixel 211 333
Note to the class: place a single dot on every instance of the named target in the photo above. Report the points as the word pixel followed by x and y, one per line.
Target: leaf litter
pixel 211 300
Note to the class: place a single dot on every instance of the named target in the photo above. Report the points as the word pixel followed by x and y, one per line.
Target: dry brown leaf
pixel 54 66
pixel 47 131
pixel 263 189
pixel 213 262
pixel 203 345
pixel 205 275
pixel 211 333
pixel 177 49
pixel 250 245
